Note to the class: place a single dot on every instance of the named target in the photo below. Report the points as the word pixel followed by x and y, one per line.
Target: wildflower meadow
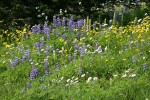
pixel 76 59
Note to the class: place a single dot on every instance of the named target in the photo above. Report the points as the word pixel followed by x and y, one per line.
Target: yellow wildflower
pixel 7 46
pixel 4 43
pixel 124 59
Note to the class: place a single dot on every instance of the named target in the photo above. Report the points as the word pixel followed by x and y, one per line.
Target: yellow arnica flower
pixel 4 43
pixel 139 36
pixel 65 42
pixel 7 46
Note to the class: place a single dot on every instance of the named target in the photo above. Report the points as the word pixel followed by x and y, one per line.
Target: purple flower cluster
pixel 64 21
pixel 37 45
pixel 36 29
pixel 46 30
pixel 14 62
pixel 83 50
pixel 54 21
pixel 47 50
pixel 145 66
pixel 27 54
pixel 80 23
pixel 33 73
pixel 46 64
pixel 42 42
pixel 57 23
pixel 77 25
pixel 134 59
pixel 70 22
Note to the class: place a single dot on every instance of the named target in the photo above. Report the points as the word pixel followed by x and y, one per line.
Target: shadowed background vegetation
pixel 18 12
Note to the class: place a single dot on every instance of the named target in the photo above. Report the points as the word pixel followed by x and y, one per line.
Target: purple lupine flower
pixel 46 64
pixel 64 21
pixel 46 73
pixel 47 49
pixel 42 41
pixel 46 29
pixel 27 54
pixel 145 66
pixel 82 52
pixel 37 45
pixel 134 59
pixel 54 21
pixel 70 22
pixel 33 73
pixel 74 25
pixel 41 45
pixel 45 24
pixel 14 62
pixel 36 29
pixel 58 22
pixel 80 23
